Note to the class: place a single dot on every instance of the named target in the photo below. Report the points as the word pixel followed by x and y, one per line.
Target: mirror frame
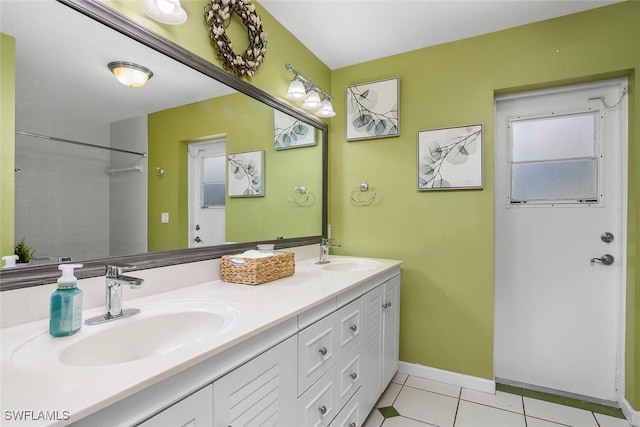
pixel 36 275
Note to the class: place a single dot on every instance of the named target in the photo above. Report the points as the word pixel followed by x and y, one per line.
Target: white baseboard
pixel 630 414
pixel 449 377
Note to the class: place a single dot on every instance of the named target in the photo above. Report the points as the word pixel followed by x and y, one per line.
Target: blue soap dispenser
pixel 66 304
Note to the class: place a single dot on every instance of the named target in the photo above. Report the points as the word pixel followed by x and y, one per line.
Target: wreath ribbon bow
pixel 219 11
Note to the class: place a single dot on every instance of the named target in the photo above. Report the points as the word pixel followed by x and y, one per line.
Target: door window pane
pixel 554 137
pixel 213 181
pixel 554 159
pixel 213 194
pixel 571 180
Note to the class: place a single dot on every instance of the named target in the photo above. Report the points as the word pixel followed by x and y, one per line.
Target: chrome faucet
pixel 324 251
pixel 113 294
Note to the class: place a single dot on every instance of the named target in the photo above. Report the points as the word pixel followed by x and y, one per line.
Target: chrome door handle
pixel 323 409
pixel 353 376
pixel 323 351
pixel 353 327
pixel 606 259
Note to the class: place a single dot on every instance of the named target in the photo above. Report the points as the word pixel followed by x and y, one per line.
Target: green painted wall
pixel 446 238
pixel 7 142
pixel 247 126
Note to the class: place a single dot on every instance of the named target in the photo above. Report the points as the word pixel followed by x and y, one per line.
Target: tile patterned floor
pixel 423 403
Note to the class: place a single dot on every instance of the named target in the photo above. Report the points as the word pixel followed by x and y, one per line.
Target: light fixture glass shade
pixel 296 91
pixel 326 110
pixel 312 102
pixel 165 11
pixel 130 74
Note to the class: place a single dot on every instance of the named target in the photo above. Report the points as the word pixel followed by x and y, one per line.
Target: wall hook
pixel 356 195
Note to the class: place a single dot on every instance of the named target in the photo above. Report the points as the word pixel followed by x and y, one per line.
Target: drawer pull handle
pixel 323 409
pixel 323 351
pixel 353 327
pixel 353 376
pixel 386 304
pixel 353 425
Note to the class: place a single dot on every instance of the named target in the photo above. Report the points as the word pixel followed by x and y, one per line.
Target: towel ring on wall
pixel 301 196
pixel 356 194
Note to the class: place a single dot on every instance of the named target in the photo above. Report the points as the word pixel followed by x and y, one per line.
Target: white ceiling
pixel 347 32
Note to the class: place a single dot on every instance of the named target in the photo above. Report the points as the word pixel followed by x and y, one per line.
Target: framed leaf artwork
pixel 246 174
pixel 372 110
pixel 450 158
pixel 289 132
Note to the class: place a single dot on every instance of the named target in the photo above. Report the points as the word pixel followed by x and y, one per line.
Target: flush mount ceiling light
pixel 165 11
pixel 130 74
pixel 303 89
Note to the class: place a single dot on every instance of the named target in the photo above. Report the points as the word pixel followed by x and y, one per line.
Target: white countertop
pixel 40 382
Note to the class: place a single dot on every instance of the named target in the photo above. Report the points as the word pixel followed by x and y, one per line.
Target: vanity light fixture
pixel 130 74
pixel 303 89
pixel 165 11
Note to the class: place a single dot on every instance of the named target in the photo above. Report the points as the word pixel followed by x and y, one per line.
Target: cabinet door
pixel 372 347
pixel 316 351
pixel 260 392
pixel 391 329
pixel 195 410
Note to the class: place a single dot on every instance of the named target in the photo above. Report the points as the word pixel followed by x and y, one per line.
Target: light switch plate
pixel 164 217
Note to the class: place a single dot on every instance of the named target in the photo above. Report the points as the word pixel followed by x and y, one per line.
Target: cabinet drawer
pixel 348 374
pixel 351 415
pixel 318 406
pixel 192 411
pixel 316 352
pixel 349 326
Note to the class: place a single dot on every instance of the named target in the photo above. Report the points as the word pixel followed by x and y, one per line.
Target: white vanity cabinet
pixel 328 364
pixel 325 367
pixel 260 392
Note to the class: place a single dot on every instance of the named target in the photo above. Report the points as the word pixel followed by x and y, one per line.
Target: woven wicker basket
pixel 255 271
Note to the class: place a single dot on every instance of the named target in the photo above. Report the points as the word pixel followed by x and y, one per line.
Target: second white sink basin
pixel 351 265
pixel 160 328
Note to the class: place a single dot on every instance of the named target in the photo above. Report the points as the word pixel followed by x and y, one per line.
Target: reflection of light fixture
pixel 165 11
pixel 303 89
pixel 130 74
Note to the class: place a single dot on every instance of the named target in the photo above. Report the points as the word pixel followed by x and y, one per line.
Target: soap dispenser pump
pixel 66 304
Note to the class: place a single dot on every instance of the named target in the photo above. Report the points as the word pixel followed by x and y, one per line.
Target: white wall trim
pixel 449 377
pixel 630 414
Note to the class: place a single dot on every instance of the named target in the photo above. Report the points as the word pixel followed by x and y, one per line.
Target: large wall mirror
pixel 108 173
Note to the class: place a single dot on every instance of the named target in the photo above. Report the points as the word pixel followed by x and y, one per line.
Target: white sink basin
pixel 351 265
pixel 160 328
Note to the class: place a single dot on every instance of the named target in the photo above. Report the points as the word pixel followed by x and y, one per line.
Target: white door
pixel 207 189
pixel 560 178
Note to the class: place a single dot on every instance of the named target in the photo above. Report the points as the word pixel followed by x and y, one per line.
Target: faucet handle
pixel 116 269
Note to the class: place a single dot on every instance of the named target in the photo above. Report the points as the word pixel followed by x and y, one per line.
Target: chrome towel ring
pixel 358 199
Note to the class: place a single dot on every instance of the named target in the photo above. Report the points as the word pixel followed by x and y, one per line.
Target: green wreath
pixel 219 11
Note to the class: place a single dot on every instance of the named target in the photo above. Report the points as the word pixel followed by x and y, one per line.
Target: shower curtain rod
pixel 85 144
